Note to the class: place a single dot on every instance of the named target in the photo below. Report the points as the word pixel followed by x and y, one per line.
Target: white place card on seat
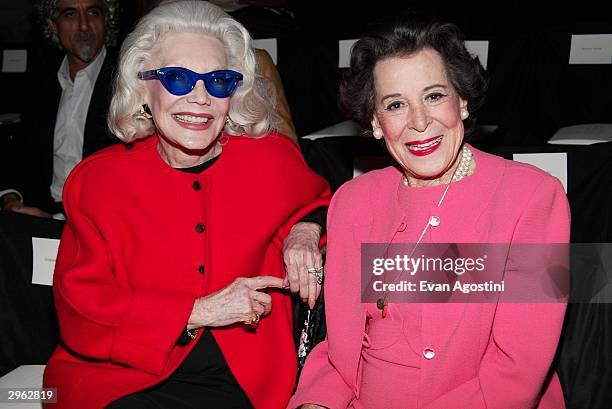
pixel 554 163
pixel 583 134
pixel 14 60
pixel 344 128
pixel 344 52
pixel 44 254
pixel 591 49
pixel 479 49
pixel 268 44
pixel 24 376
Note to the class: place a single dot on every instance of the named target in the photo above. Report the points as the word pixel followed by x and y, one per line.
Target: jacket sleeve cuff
pixel 15 192
pixel 320 383
pixel 284 230
pixel 148 333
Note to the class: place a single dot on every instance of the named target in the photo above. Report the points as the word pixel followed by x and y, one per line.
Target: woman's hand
pixel 301 252
pixel 239 301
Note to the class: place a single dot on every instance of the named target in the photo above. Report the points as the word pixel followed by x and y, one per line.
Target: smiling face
pixel 419 113
pixel 188 124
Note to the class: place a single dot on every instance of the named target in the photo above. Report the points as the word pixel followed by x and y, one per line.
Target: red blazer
pixel 143 241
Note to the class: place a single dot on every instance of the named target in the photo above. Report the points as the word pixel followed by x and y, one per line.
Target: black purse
pixel 309 328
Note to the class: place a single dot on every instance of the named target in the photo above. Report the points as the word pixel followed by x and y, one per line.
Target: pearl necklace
pixel 462 169
pixel 460 172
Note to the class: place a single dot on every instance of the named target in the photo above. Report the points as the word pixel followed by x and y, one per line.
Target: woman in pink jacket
pixel 413 84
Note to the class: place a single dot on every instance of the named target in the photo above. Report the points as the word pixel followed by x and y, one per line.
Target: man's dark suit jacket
pixel 34 172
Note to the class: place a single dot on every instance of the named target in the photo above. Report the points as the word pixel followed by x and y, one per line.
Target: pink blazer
pixel 486 355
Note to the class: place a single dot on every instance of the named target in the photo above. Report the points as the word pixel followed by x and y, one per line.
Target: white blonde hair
pixel 250 112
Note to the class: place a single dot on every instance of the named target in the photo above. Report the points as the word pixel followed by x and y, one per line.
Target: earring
pixel 378 133
pixel 464 114
pixel 145 111
pixel 223 140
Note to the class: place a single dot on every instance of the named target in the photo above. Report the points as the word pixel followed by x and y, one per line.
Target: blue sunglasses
pixel 181 81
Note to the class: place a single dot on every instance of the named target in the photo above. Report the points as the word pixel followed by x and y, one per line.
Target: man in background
pixel 66 119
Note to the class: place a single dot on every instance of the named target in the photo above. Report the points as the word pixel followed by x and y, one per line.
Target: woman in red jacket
pixel 169 280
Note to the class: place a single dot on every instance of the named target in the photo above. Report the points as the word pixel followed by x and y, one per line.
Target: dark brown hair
pixel 403 35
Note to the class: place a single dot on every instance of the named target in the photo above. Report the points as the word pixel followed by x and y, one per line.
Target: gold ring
pixel 252 321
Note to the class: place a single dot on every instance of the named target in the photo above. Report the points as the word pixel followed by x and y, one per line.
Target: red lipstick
pixel 426 151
